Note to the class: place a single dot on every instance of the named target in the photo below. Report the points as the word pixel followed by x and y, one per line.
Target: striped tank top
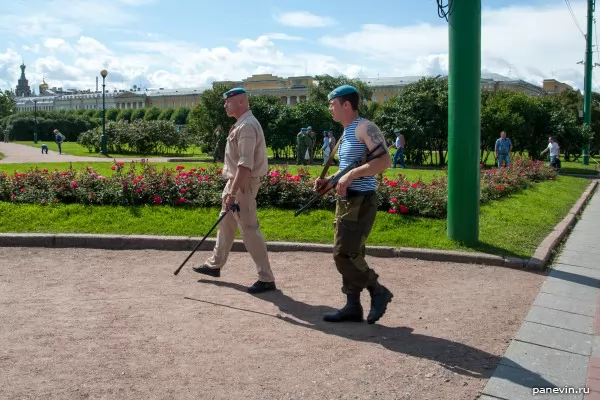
pixel 350 150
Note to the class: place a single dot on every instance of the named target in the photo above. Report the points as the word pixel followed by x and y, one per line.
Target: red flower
pixel 157 200
pixel 403 209
pixel 182 190
pixel 393 211
pixel 74 185
pixel 394 200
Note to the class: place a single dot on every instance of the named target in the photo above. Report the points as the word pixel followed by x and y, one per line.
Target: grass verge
pixel 513 226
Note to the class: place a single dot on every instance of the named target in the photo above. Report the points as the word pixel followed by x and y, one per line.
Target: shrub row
pixel 202 187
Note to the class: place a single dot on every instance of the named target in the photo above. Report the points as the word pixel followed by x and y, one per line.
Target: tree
pixel 206 116
pixel 7 104
pixel 326 83
pixel 179 116
pixel 152 114
pixel 421 113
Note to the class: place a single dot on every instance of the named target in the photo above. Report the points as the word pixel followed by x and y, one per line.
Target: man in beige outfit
pixel 245 163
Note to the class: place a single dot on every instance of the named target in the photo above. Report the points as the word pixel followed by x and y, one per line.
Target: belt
pixel 356 193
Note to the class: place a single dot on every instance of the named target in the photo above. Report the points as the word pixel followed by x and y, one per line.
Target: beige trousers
pixel 247 220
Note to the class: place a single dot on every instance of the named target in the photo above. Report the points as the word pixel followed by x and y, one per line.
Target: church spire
pixel 23 89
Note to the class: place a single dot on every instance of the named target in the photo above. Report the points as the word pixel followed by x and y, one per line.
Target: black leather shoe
pixel 380 297
pixel 203 269
pixel 260 287
pixel 352 311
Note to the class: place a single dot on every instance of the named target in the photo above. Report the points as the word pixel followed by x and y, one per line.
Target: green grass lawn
pixel 75 149
pixel 513 226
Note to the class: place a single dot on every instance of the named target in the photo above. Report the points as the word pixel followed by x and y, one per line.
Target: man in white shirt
pixel 554 150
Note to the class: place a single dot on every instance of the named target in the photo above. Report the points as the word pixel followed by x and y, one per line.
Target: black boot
pixel 352 311
pixel 380 297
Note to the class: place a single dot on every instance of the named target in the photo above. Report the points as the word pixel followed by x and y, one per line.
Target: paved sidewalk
pixel 19 153
pixel 558 344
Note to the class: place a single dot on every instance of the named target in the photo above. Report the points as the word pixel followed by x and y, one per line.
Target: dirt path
pixel 19 153
pixel 80 323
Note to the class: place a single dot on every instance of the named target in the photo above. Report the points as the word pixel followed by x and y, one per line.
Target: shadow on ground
pixel 454 356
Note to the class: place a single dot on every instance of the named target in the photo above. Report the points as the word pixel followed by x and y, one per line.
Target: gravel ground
pixel 81 323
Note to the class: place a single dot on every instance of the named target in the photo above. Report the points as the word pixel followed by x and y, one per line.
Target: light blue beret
pixel 233 92
pixel 342 91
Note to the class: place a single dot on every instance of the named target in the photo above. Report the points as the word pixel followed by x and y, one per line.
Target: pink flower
pixel 394 200
pixel 182 190
pixel 74 185
pixel 393 211
pixel 157 200
pixel 403 209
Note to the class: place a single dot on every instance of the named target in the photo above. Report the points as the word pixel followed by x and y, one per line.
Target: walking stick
pixel 234 208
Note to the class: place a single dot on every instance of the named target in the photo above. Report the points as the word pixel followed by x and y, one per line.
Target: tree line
pixel 420 111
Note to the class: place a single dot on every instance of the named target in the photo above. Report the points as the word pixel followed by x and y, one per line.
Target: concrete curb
pixel 544 250
pixel 187 243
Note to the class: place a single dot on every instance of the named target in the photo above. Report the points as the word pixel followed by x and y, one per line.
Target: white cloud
pixel 65 18
pixel 282 36
pixel 526 42
pixel 303 19
pixel 521 42
pixel 9 66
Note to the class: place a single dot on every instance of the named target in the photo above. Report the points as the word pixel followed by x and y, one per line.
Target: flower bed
pixel 203 187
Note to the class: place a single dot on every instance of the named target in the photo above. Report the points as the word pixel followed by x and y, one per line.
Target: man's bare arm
pixel 369 134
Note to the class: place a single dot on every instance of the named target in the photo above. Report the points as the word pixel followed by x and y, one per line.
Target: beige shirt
pixel 246 146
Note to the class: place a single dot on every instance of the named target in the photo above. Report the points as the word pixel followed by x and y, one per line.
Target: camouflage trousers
pixel 354 219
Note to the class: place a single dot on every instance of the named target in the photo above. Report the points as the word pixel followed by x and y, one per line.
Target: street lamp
pixel 103 143
pixel 35 127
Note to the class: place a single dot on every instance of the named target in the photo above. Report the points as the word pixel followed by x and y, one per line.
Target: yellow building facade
pixel 292 90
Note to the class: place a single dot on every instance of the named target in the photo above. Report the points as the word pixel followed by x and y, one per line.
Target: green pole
pixel 587 94
pixel 464 108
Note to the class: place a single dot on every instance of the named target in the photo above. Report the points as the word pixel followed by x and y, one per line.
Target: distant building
pixel 386 88
pixel 292 90
pixel 552 86
pixel 174 98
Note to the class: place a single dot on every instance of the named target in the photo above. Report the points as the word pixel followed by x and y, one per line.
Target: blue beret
pixel 303 129
pixel 342 91
pixel 233 92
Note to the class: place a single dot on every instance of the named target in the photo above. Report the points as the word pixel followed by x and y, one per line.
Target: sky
pixel 175 44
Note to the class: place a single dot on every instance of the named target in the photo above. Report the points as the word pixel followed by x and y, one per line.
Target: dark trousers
pixel 354 219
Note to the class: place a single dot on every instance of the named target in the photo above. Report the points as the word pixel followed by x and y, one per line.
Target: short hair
pixel 353 98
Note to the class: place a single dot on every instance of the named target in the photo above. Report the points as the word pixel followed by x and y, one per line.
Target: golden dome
pixel 43 85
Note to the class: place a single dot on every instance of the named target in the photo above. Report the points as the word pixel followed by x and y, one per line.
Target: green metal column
pixel 587 93
pixel 464 109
